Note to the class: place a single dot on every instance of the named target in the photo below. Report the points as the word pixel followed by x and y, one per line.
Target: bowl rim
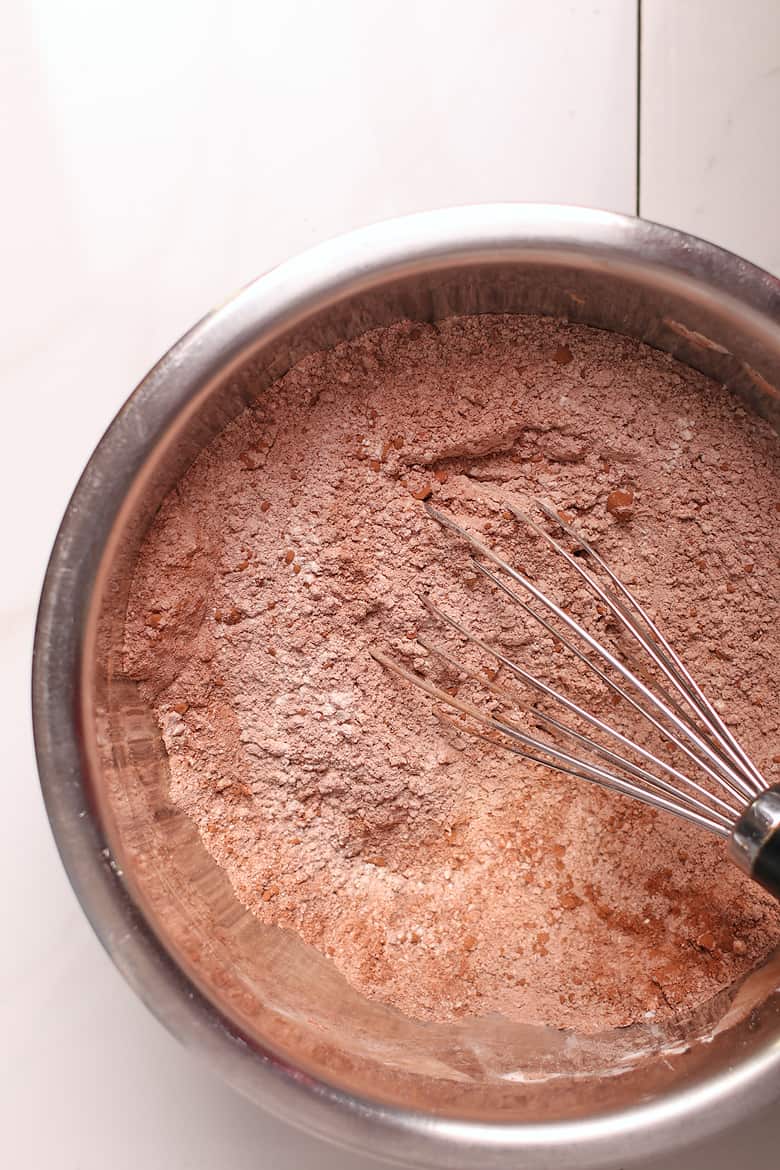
pixel 327 273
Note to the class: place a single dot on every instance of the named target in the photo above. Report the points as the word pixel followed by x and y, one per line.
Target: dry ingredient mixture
pixel 439 874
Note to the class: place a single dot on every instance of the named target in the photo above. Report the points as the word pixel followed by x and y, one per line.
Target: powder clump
pixel 439 874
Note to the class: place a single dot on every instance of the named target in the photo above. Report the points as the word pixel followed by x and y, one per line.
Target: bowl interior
pixel 279 995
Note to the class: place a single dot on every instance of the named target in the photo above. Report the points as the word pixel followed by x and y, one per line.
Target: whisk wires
pixel 677 710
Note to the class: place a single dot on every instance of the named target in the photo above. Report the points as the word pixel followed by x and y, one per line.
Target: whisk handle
pixel 755 840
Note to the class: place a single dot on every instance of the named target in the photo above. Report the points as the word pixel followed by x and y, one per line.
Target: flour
pixel 439 874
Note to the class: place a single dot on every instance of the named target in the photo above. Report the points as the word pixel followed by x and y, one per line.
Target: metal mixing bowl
pixel 268 1012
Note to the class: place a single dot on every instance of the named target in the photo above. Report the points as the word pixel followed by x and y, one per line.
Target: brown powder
pixel 442 875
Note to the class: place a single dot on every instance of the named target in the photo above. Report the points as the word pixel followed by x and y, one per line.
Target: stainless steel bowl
pixel 268 1012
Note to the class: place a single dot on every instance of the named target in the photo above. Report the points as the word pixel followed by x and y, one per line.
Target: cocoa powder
pixel 439 874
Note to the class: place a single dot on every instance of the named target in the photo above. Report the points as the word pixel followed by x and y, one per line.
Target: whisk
pixel 701 773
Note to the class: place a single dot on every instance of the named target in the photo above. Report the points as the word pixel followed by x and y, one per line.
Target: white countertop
pixel 157 156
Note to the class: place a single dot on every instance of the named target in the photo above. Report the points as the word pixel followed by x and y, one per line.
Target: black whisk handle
pixel 755 840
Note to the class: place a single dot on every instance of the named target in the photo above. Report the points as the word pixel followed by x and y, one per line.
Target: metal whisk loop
pixel 559 760
pixel 583 740
pixel 575 709
pixel 618 690
pixel 733 802
pixel 706 756
pixel 696 697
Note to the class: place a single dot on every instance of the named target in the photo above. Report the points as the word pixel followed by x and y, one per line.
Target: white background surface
pixel 156 156
pixel 710 156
